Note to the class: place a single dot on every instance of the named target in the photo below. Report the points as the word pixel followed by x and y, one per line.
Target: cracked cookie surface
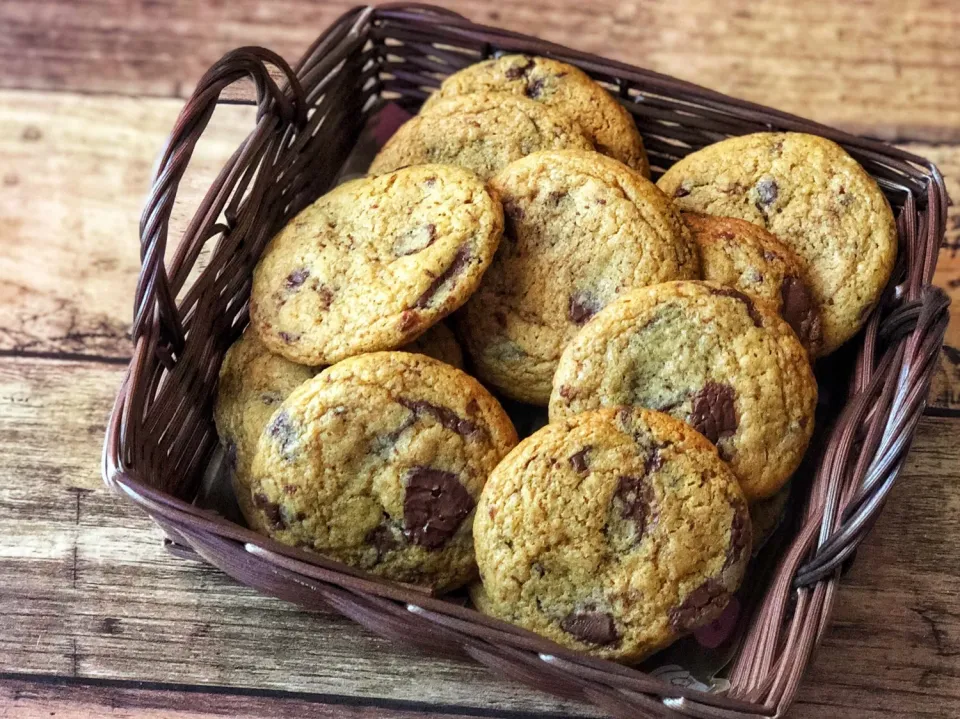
pixel 816 199
pixel 483 132
pixel 739 254
pixel 708 355
pixel 378 462
pixel 614 532
pixel 374 263
pixel 564 87
pixel 581 229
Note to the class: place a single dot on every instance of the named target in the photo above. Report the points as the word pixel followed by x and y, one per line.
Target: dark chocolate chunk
pixel 591 627
pixel 714 414
pixel 745 299
pixel 282 430
pixel 800 310
pixel 582 306
pixel 515 73
pixel 534 88
pixel 637 500
pixel 459 260
pixel 703 602
pixel 435 505
pixel 681 191
pixel 415 240
pixel 579 460
pixel 444 415
pixel 297 278
pixel 767 191
pixel 271 510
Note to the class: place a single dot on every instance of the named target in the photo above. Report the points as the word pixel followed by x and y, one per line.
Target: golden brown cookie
pixel 374 263
pixel 816 199
pixel 739 254
pixel 582 229
pixel 253 383
pixel 378 462
pixel 705 354
pixel 560 86
pixel 614 531
pixel 440 343
pixel 482 132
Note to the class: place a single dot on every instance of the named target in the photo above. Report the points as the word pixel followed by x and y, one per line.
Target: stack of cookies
pixel 669 329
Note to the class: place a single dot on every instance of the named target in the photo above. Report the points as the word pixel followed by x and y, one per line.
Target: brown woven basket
pixel 161 435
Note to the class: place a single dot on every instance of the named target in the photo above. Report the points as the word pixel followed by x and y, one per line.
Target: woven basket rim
pixel 156 440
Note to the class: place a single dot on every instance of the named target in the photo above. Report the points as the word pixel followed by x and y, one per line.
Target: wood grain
pixel 86 591
pixel 882 67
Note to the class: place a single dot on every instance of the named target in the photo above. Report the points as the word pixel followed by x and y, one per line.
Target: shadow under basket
pixel 161 437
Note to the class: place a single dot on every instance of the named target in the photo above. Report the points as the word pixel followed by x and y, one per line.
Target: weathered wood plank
pixel 877 66
pixel 26 698
pixel 74 172
pixel 87 592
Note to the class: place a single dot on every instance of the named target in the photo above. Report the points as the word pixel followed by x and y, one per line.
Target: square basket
pixel 161 437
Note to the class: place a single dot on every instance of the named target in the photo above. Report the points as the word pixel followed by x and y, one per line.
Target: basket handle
pixel 155 298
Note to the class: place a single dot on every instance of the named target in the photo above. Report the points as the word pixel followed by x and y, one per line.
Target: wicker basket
pixel 161 435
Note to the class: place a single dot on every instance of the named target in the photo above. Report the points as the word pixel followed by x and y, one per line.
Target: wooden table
pixel 96 620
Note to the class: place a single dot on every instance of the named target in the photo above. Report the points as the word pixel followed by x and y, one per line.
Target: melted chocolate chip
pixel 591 627
pixel 739 534
pixel 535 88
pixel 637 500
pixel 567 392
pixel 702 603
pixel 444 415
pixel 770 256
pixel 289 337
pixel 579 460
pixel 459 261
pixel 518 71
pixel 581 307
pixel 767 191
pixel 415 240
pixel 297 278
pixel 434 506
pixel 745 299
pixel 714 414
pixel 726 235
pixel 283 432
pixel 681 191
pixel 473 407
pixel 271 510
pixel 800 311
pixel 325 294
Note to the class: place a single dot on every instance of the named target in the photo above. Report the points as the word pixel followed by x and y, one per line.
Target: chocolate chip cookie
pixel 378 462
pixel 816 199
pixel 482 132
pixel 581 229
pixel 739 254
pixel 374 263
pixel 253 383
pixel 614 531
pixel 708 355
pixel 560 86
pixel 440 343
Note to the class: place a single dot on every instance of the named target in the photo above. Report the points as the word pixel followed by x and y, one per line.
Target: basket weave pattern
pixel 161 435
